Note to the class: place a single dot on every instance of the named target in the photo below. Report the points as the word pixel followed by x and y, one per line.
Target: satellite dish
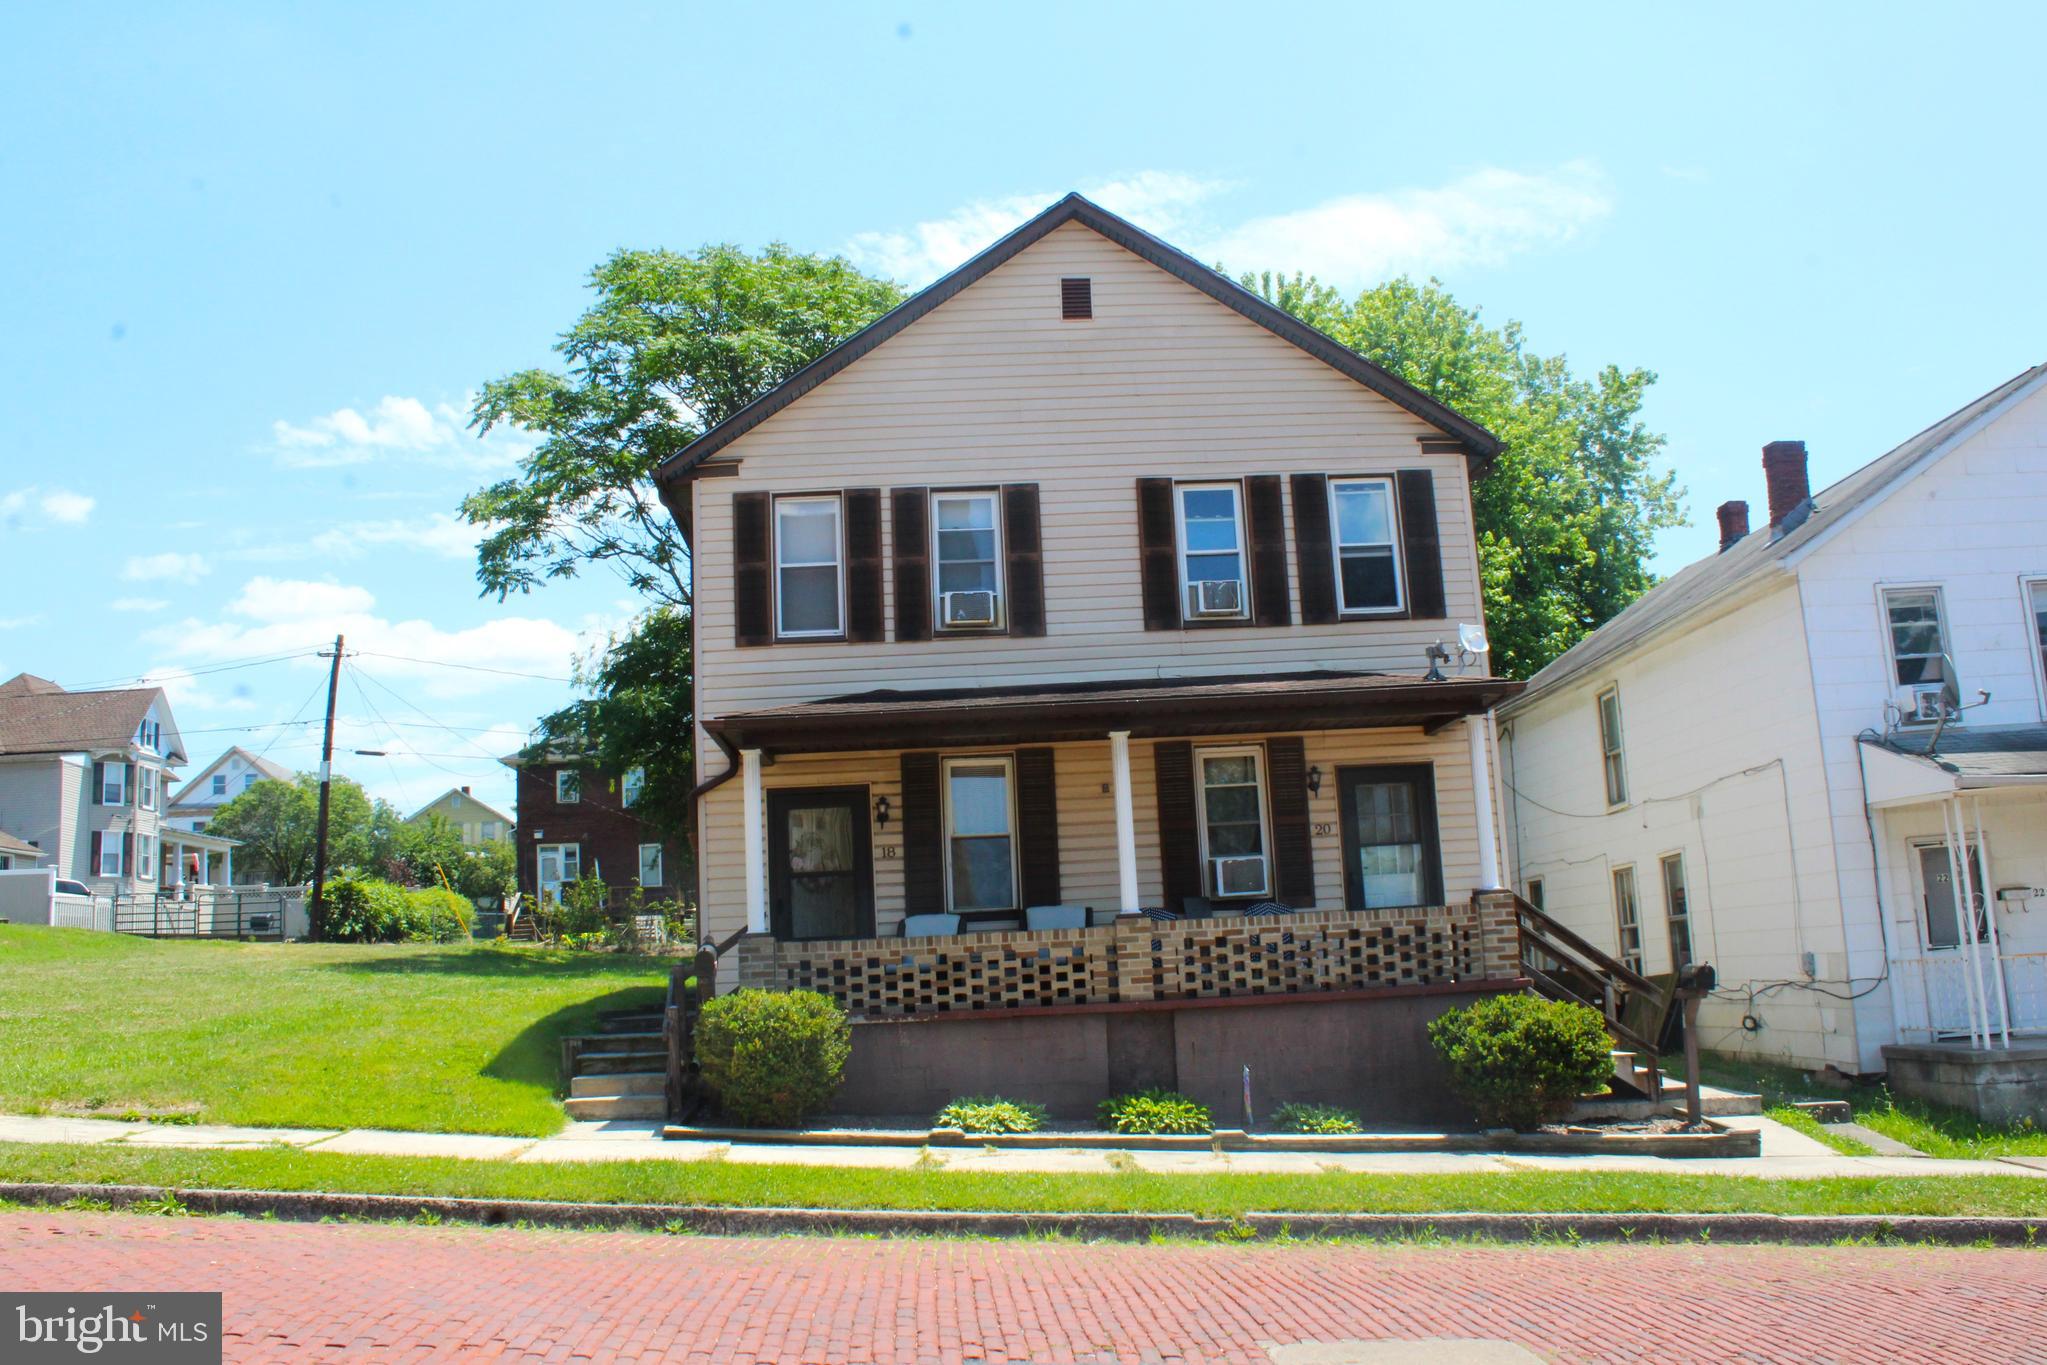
pixel 1950 687
pixel 1471 639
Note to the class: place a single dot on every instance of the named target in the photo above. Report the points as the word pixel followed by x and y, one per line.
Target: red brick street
pixel 381 1292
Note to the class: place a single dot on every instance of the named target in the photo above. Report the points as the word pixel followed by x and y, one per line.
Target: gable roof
pixel 261 764
pixel 1764 550
pixel 486 807
pixel 1479 444
pixel 17 848
pixel 39 717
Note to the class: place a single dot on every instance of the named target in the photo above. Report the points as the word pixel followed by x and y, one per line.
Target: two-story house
pixel 84 779
pixel 478 822
pixel 1062 647
pixel 575 820
pixel 220 782
pixel 1817 760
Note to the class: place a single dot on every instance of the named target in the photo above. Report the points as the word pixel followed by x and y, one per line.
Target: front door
pixel 820 869
pixel 1945 926
pixel 555 864
pixel 1391 855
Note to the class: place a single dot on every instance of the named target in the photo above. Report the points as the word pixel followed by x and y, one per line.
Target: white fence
pixel 1936 995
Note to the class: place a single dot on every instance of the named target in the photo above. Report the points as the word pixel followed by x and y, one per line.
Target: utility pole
pixel 319 908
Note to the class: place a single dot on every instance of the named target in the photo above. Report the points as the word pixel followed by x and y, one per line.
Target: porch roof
pixel 18 848
pixel 1967 758
pixel 1146 707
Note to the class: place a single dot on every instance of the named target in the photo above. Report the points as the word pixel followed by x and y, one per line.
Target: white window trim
pixel 2034 645
pixel 114 770
pixel 574 776
pixel 1256 752
pixel 994 497
pixel 145 858
pixel 145 787
pixel 1008 763
pixel 632 785
pixel 1663 862
pixel 1893 689
pixel 1393 546
pixel 660 865
pixel 1621 926
pixel 217 785
pixel 838 562
pixel 1243 551
pixel 1620 743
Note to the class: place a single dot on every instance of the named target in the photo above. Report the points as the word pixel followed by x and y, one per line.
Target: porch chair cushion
pixel 1196 907
pixel 1055 917
pixel 1159 912
pixel 1265 909
pixel 930 926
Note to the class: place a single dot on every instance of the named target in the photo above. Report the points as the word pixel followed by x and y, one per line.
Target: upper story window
pixel 967 560
pixel 1233 839
pixel 1611 758
pixel 568 786
pixel 1361 516
pixel 810 584
pixel 631 785
pixel 250 779
pixel 980 826
pixel 145 788
pixel 1918 639
pixel 149 735
pixel 2036 613
pixel 1211 525
pixel 113 784
pixel 219 786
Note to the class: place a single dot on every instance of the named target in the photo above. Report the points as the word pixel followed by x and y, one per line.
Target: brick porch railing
pixel 1137 959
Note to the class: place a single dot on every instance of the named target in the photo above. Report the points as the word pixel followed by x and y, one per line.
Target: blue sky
pixel 255 258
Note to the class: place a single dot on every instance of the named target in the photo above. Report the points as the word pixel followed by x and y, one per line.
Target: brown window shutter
pixel 1423 550
pixel 1312 549
pixel 923 837
pixel 94 854
pixel 1037 827
pixel 1293 851
pixel 99 793
pixel 1179 840
pixel 1024 573
pixel 1158 544
pixel 1266 504
pixel 910 525
pixel 863 564
pixel 128 854
pixel 128 794
pixel 753 614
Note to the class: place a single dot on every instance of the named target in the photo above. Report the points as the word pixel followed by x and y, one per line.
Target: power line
pixel 219 666
pixel 435 722
pixel 467 668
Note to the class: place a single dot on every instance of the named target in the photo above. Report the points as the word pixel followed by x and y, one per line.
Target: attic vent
pixel 1076 299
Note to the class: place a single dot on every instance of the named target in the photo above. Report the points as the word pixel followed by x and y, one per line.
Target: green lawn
pixel 452 1037
pixel 734 1184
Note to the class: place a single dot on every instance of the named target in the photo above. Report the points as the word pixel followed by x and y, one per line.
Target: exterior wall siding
pixel 609 834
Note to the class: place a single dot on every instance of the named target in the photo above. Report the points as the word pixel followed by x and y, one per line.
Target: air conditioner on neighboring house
pixel 975 608
pixel 1239 876
pixel 1216 597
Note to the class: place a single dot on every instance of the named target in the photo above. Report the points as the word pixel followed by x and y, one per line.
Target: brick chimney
pixel 1733 523
pixel 1744 526
pixel 1784 472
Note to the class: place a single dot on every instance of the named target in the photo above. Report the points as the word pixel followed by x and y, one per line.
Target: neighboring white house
pixel 220 782
pixel 1736 767
pixel 479 822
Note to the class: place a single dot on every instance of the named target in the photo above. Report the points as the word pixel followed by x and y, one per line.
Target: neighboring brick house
pixel 573 820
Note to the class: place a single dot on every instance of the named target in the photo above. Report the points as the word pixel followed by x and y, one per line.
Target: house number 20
pixel 1325 828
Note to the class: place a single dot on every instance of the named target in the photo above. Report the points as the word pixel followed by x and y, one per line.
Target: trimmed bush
pixel 991 1114
pixel 437 915
pixel 773 1057
pixel 1324 1119
pixel 364 910
pixel 1154 1111
pixel 1520 1060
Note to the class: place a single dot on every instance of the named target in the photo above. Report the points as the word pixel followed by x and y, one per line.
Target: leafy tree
pixel 277 822
pixel 1568 515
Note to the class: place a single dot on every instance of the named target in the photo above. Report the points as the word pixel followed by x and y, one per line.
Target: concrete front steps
pixel 621 1071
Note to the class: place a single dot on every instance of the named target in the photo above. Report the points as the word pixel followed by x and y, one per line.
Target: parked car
pixel 67 887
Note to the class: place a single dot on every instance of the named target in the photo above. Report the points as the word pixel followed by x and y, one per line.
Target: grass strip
pixel 1805 1123
pixel 731 1184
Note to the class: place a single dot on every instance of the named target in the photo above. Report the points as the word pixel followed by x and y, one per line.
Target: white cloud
pixel 138 604
pixel 1483 218
pixel 439 533
pixel 168 567
pixel 17 622
pixel 393 426
pixel 58 506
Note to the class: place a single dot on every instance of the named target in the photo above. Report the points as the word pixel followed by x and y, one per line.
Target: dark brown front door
pixel 1391 854
pixel 820 863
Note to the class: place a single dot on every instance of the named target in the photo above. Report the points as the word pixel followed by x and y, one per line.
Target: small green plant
pixel 1520 1060
pixel 991 1114
pixel 1154 1111
pixel 773 1057
pixel 1324 1119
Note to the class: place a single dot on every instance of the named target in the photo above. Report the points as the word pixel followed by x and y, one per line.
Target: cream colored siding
pixel 992 387
pixel 1087 822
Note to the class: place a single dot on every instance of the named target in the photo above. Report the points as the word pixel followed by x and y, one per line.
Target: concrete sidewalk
pixel 1787 1154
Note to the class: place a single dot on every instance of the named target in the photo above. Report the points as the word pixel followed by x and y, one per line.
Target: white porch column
pixel 1126 822
pixel 756 841
pixel 227 867
pixel 1482 802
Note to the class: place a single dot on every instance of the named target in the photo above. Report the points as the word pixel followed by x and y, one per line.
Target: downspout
pixel 703 789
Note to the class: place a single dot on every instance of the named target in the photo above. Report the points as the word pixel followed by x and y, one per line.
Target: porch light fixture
pixel 1437 656
pixel 881 812
pixel 1315 780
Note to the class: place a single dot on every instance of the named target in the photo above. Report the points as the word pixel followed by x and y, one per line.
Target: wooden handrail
pixel 1550 929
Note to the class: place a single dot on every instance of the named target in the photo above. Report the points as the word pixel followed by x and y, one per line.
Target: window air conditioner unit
pixel 967 608
pixel 1927 707
pixel 1216 597
pixel 1241 876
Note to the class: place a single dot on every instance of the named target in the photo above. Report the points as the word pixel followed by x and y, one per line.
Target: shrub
pixel 1520 1060
pixel 773 1057
pixel 991 1114
pixel 1325 1119
pixel 438 915
pixel 364 910
pixel 1154 1111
